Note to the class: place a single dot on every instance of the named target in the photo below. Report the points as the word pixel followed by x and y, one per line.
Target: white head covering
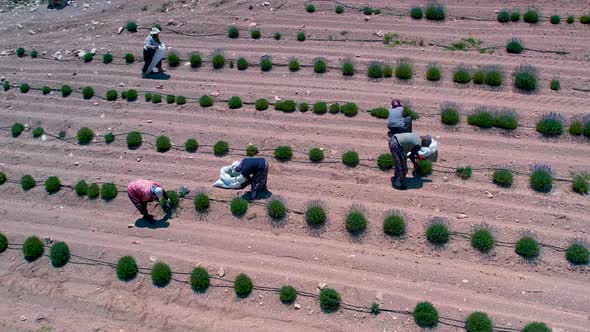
pixel 158 192
pixel 154 31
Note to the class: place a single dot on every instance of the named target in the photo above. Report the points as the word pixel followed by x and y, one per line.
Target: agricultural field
pixel 491 237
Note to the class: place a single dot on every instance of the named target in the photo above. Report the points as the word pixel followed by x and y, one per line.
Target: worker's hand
pixel 421 158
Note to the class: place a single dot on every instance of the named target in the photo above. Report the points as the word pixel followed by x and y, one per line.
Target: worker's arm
pixel 164 194
pixel 414 153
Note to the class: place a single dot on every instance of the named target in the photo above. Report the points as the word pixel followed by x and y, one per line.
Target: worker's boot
pixel 398 184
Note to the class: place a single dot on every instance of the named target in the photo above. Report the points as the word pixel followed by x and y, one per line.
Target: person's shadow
pixel 415 182
pixel 153 223
pixel 157 76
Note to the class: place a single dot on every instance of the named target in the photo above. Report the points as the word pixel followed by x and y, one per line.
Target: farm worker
pixel 409 145
pixel 396 123
pixel 150 45
pixel 255 170
pixel 141 192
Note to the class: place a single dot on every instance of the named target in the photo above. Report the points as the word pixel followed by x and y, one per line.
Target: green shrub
pixel 503 177
pixel 131 95
pixel 108 191
pixel 218 59
pixel 201 202
pixel 356 221
pixel 303 107
pixel 156 98
pixel 221 148
pixel 404 69
pixel 479 77
pixel 585 19
pixel 339 9
pixel 261 104
pixel 334 108
pixel 449 114
pixel 367 10
pixel 375 70
pixel 6 86
pixel 424 167
pixel 243 64
pixel 131 26
pixel 437 232
pixel 494 76
pixel 319 65
pixel 283 153
pixel 52 184
pixel 514 46
pixel 301 36
pixel 87 92
pixel 570 19
pixel 180 100
pixel 111 95
pixel 387 71
pixel 380 112
pixel 435 12
pixel 87 57
pixel 234 102
pixel 515 16
pixel 161 274
pixel 288 106
pixel 316 155
pixel 320 108
pixel 482 239
pixel 238 207
pixel 93 191
pixel 16 129
pixel 310 8
pixel 107 58
pixel 385 162
pixel 293 65
pixel 255 33
pixel 580 184
pixel 481 117
pixel 191 145
pixel 536 327
pixel 243 285
pixel 329 300
pixel 20 52
pixel 555 19
pixel 195 60
pixel 148 97
pixel 531 16
pixel 233 32
pixel 464 172
pixel 45 90
pixel 527 247
pixel 349 109
pixel 265 63
pixel 577 253
pixel 170 99
pixel 541 179
pixel 169 205
pixel 27 182
pixel 526 78
pixel 506 119
pixel 555 85
pixel 126 268
pixel 550 124
pixel 416 13
pixel 199 280
pixel 287 294
pixel 478 322
pixel 85 135
pixel 350 158
pixel 394 223
pixel 129 58
pixel 206 101
pixel 348 67
pixel 425 315
pixel 33 248
pixel 503 16
pixel 461 75
pixel 3 243
pixel 81 188
pixel 2 178
pixel 433 72
pixel 276 209
pixel 59 254
pixel 277 36
pixel 134 140
pixel 251 150
pixel 315 213
pixel 173 59
pixel 24 88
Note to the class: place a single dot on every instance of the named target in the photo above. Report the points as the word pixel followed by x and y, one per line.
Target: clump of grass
pixel 242 63
pixel 288 106
pixel 339 9
pixel 550 124
pixel 329 300
pixel 93 191
pixel 199 279
pixel 276 209
pixel 482 117
pixel 16 129
pixel 277 36
pixel 243 285
pixel 131 95
pixel 180 100
pixel 555 85
pixel 577 253
pixel 320 65
pixel 301 36
pixel 88 92
pixel 387 71
pixel 294 65
pixel 45 90
pixel 303 107
pixel 134 140
pixel 24 88
pixel 585 19
pixel 6 86
pixel 367 10
pixel 424 167
pixel 108 191
pixel 426 315
pixel 580 184
pixel 251 150
pixel 265 63
pixel 161 274
pixel 59 254
pixel 570 19
pixel 536 327
pixel 191 145
pixel 515 16
pixel 131 26
pixel 385 162
pixel 85 135
pixel 195 60
pixel 170 99
pixel 316 155
pixel 503 177
pixel 479 77
pixel 348 67
pixel 173 59
pixel 541 179
pixel 233 32
pixel 334 108
pixel 315 213
pixel 320 108
pixel 20 52
pixel 356 220
pixel 464 172
pixel 462 75
pixel 107 58
pixel 218 59
pixel 435 11
pixel 129 58
pixel 27 182
pixel 148 97
pixel 404 69
pixel 503 16
pixel 350 158
pixel 201 202
pixel 81 188
pixel 169 205
pixel 527 247
pixel 156 98
pixel 283 153
pixel 220 149
pixel 506 119
pixel 531 16
pixel 111 95
pixel 380 112
pixel 394 223
pixel 33 248
pixel 433 72
pixel 287 294
pixel 234 102
pixel 255 33
pixel 478 322
pixel 526 78
pixel 87 57
pixel 206 101
pixel 375 70
pixel 238 207
pixel 449 114
pixel 52 184
pixel 3 243
pixel 416 13
pixel 494 76
pixel 2 178
pixel 482 238
pixel 126 268
pixel 437 231
pixel 310 8
pixel 349 109
pixel 555 19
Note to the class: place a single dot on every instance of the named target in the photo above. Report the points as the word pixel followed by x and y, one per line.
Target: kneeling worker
pixel 409 145
pixel 141 192
pixel 396 123
pixel 255 170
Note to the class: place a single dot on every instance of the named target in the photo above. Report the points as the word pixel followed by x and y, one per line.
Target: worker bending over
pixel 255 171
pixel 396 123
pixel 409 145
pixel 141 192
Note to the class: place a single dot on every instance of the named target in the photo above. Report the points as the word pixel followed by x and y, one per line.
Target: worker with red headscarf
pixel 141 192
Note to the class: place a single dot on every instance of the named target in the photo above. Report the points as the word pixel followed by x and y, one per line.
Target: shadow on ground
pixel 153 223
pixel 157 76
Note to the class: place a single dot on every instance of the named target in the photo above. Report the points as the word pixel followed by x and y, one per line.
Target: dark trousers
pixel 141 206
pixel 148 55
pixel 400 165
pixel 259 179
pixel 407 128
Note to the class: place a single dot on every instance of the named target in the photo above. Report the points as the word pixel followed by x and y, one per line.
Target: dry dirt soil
pixel 397 273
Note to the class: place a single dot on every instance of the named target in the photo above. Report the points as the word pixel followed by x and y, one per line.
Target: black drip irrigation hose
pixel 448 321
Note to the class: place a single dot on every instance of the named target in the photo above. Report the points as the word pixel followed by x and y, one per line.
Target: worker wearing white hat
pixel 151 44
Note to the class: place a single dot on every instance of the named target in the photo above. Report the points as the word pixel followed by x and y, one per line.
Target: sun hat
pixel 158 191
pixel 154 31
